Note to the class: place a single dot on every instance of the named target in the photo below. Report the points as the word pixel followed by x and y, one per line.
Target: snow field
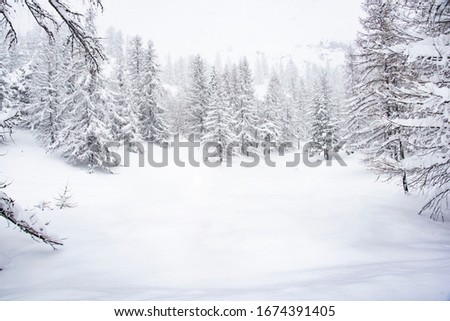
pixel 326 233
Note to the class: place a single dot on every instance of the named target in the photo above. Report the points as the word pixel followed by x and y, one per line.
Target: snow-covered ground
pixel 326 233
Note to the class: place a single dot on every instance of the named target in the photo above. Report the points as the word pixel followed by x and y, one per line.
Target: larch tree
pixel 425 92
pixel 375 103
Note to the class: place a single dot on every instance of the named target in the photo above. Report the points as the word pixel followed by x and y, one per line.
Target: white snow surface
pixel 325 233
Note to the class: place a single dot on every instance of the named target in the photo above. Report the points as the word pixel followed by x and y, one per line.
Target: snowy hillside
pixel 225 233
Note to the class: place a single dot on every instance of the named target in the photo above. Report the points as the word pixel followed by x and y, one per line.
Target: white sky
pixel 182 27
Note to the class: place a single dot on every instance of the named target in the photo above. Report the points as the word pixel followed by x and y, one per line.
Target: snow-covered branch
pixel 49 22
pixel 26 221
pixel 7 124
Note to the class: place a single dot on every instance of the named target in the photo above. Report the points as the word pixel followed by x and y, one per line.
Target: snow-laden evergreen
pixel 375 104
pixel 197 97
pixel 135 62
pixel 124 121
pixel 44 113
pixel 219 119
pixel 151 119
pixel 426 161
pixel 399 96
pixel 87 127
pixel 323 123
pixel 245 105
pixel 85 132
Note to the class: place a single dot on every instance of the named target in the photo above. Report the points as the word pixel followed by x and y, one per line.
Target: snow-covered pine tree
pixel 21 88
pixel 245 113
pixel 135 61
pixel 151 119
pixel 124 121
pixel 119 95
pixel 44 113
pixel 86 129
pixel 218 120
pixel 64 199
pixel 323 124
pixel 271 127
pixel 233 93
pixel 197 97
pixel 174 97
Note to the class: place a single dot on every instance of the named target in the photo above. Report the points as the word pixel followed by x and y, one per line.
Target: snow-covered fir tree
pixel 245 106
pixel 45 111
pixel 64 199
pixel 323 124
pixel 218 120
pixel 86 130
pixel 123 119
pixel 135 62
pixel 197 97
pixel 151 116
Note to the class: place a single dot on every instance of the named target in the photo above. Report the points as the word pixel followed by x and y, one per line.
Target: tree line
pixel 74 109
